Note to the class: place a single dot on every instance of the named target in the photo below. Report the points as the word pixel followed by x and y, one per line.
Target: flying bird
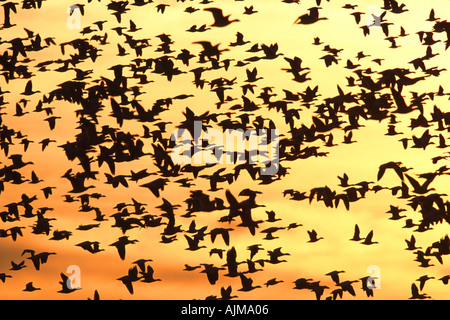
pixel 220 20
pixel 311 17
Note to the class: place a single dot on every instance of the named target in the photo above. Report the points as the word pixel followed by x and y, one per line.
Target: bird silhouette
pixel 254 249
pixel 311 17
pixel 120 245
pixel 17 266
pixel 271 216
pixel 147 275
pixel 212 272
pixel 29 89
pixel 29 287
pixel 411 244
pixel 445 279
pixel 368 239
pixel 415 293
pixel 226 293
pixel 396 166
pixel 247 283
pixel 275 254
pixel 421 189
pixel 239 40
pixel 347 287
pixel 395 213
pixel 365 285
pixel 128 279
pixel 156 185
pixel 317 289
pixel 422 280
pixel 302 283
pixel 91 246
pixel 313 236
pixel 335 276
pixel 193 243
pixel 224 232
pixel 162 7
pixel 272 282
pixel 220 20
pixel 66 284
pixel 39 258
pixel 232 264
pixel 269 232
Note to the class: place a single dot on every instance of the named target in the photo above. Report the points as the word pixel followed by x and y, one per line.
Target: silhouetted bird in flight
pixel 91 246
pixel 247 283
pixel 148 275
pixel 368 239
pixel 212 272
pixel 220 20
pixel 313 236
pixel 39 258
pixel 162 7
pixel 156 186
pixel 128 279
pixel 226 293
pixel 335 276
pixel 29 89
pixel 29 287
pixel 395 212
pixel 66 284
pixel 311 17
pixel 347 287
pixel 120 245
pixel 422 188
pixel 415 293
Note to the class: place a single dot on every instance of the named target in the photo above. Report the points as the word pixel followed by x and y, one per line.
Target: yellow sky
pixel 273 23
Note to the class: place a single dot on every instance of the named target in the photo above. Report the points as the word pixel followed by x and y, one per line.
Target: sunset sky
pixel 273 23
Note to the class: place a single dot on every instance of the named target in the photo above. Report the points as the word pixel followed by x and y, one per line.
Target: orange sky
pixel 273 23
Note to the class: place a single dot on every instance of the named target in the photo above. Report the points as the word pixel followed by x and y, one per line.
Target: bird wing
pixel 357 231
pixel 29 86
pixel 381 171
pixel 65 282
pixel 212 275
pixel 234 204
pixel 351 290
pixel 216 12
pixel 36 261
pixel 413 182
pixel 335 278
pixel 121 251
pixel 414 290
pixel 150 271
pixel 190 241
pixel 369 236
pixel 226 237
pixel 128 284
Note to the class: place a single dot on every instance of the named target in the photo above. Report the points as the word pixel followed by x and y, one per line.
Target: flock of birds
pixel 377 96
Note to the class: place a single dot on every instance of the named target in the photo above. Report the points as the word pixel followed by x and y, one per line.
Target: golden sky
pixel 273 23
